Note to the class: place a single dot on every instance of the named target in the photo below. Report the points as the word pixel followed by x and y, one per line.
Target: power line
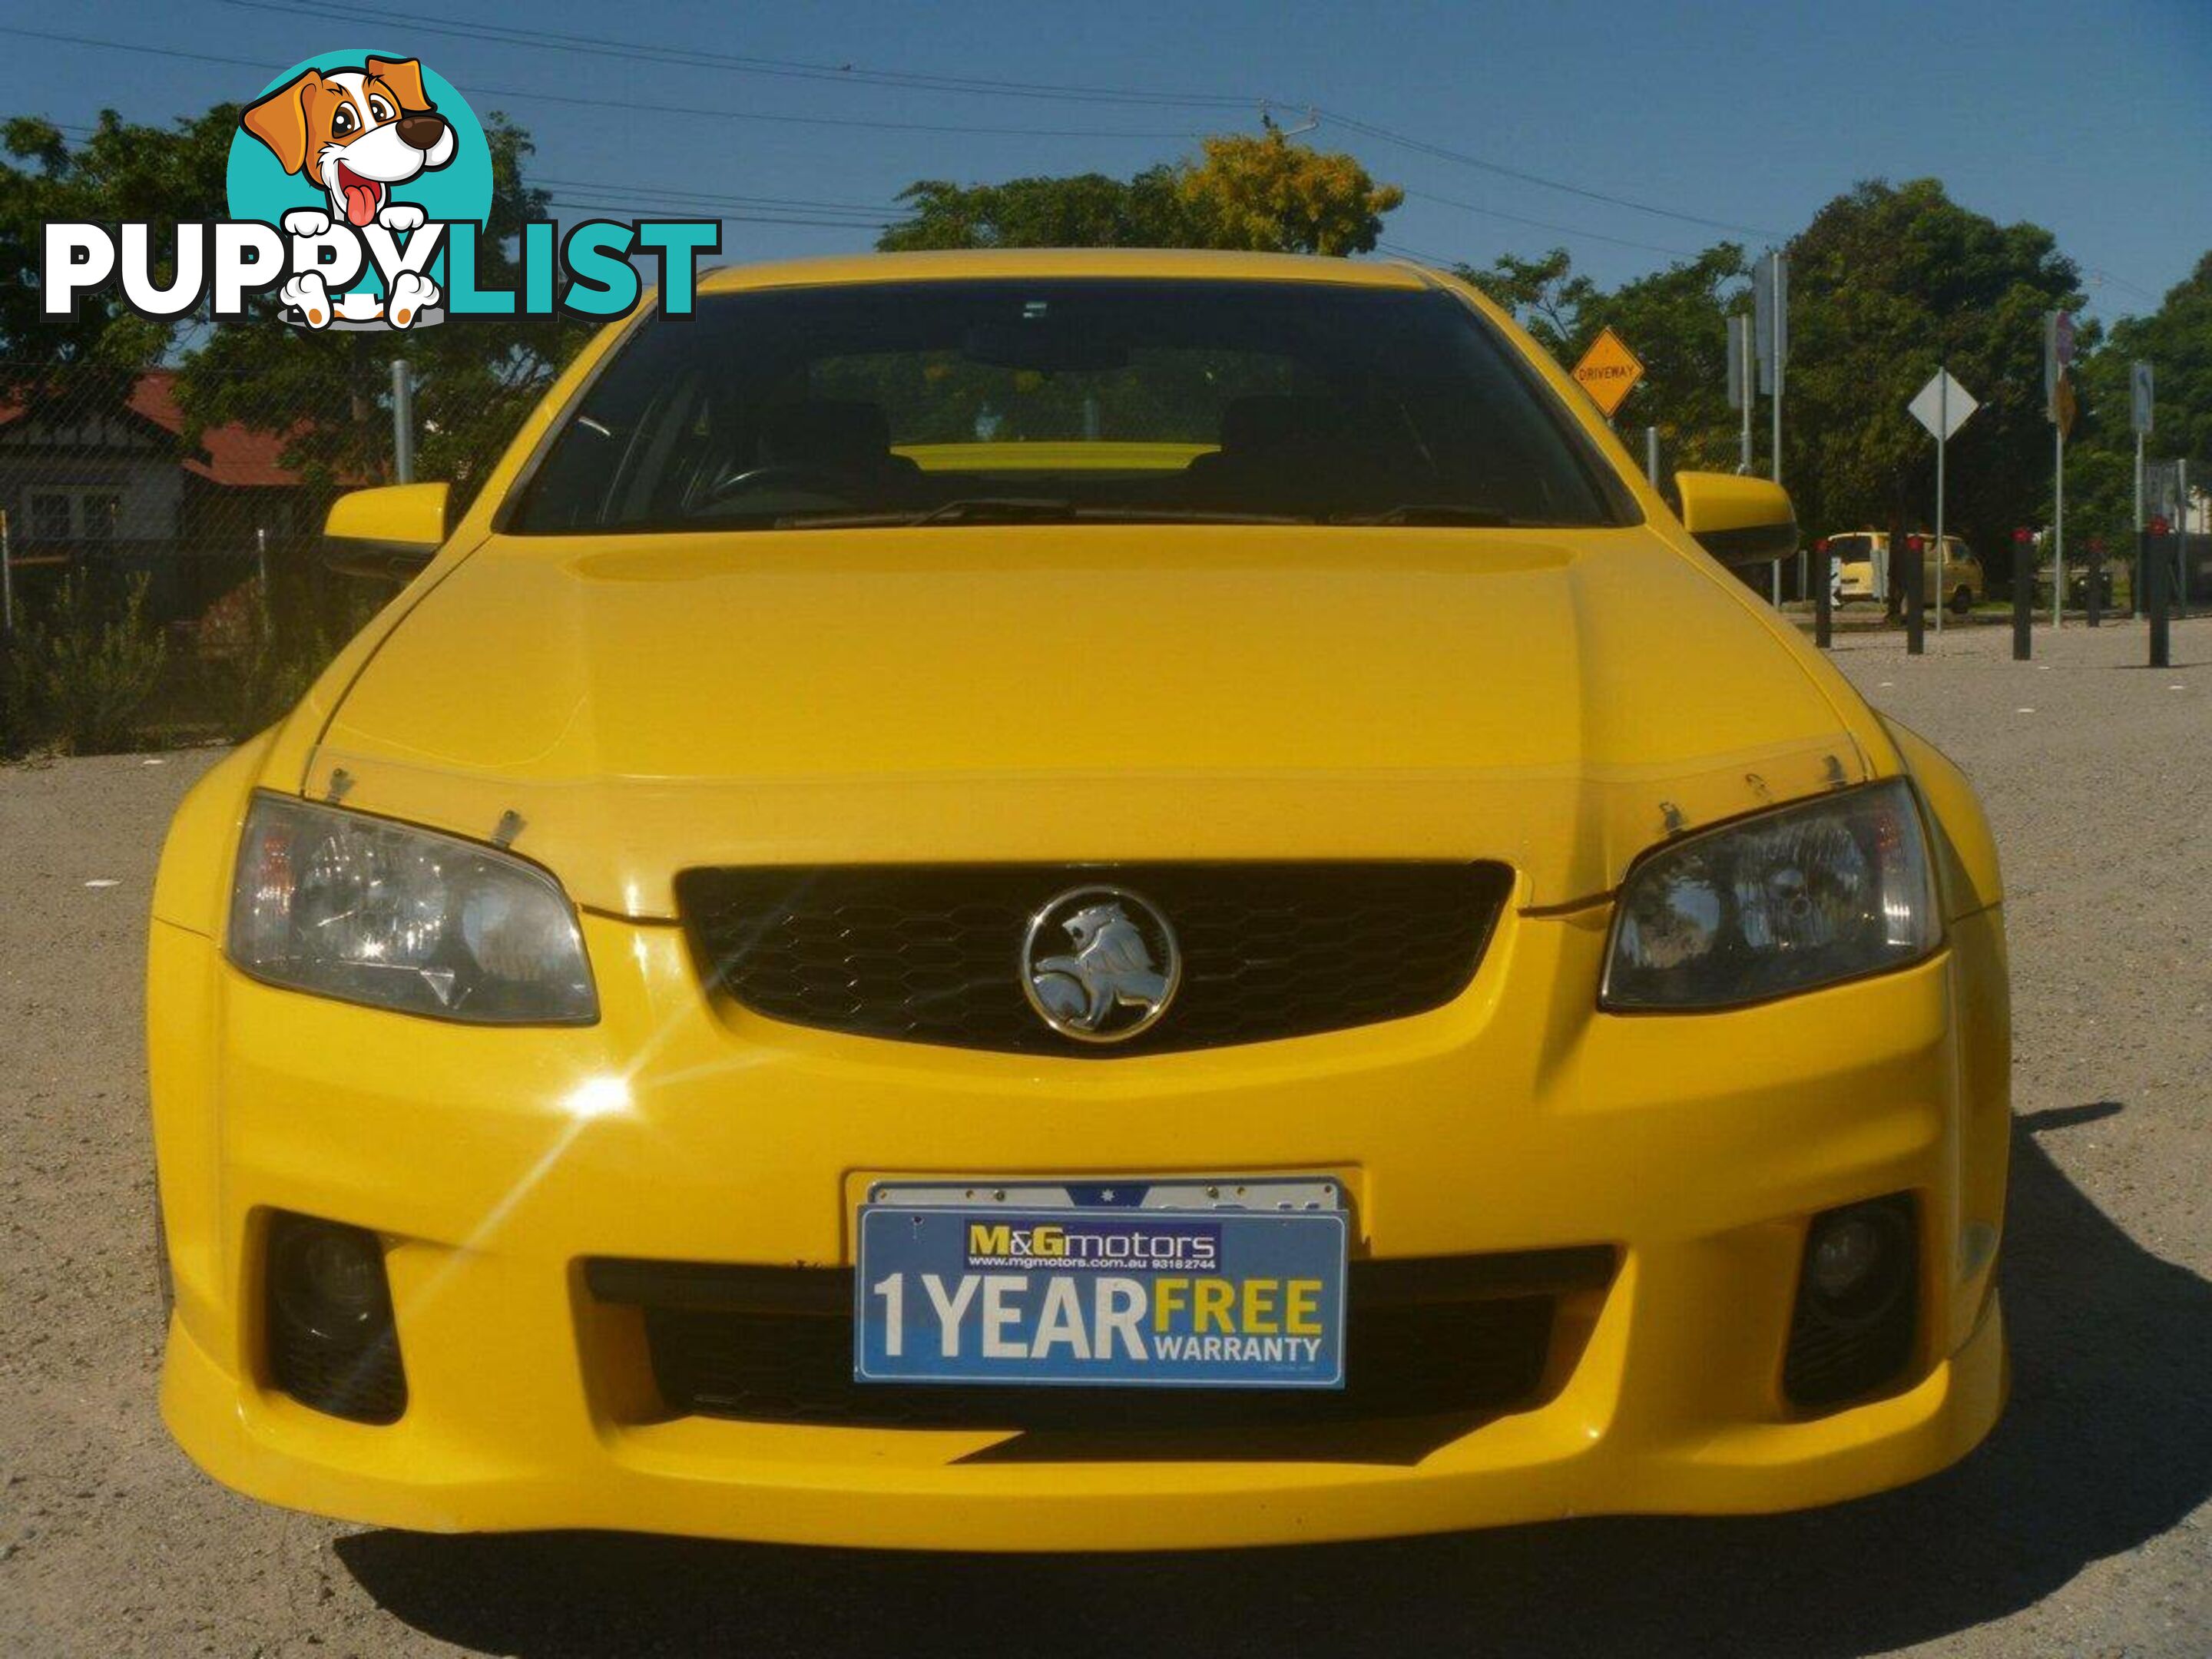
pixel 851 74
pixel 1545 224
pixel 1423 146
pixel 2101 276
pixel 606 188
pixel 630 106
pixel 1401 251
pixel 602 47
pixel 628 209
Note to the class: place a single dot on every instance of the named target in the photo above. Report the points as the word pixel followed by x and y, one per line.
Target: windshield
pixel 996 401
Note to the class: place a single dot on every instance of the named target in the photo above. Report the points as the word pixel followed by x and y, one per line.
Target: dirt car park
pixel 2083 1526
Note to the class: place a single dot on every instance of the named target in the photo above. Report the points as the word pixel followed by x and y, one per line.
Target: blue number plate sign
pixel 1119 1297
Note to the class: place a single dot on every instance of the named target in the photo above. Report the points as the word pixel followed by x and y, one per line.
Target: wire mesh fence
pixel 162 526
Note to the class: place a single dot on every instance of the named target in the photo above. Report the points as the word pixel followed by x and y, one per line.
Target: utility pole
pixel 1741 375
pixel 402 421
pixel 1770 305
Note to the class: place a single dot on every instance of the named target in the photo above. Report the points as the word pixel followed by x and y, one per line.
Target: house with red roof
pixel 119 487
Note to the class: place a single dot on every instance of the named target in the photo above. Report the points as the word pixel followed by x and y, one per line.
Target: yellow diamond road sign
pixel 1608 371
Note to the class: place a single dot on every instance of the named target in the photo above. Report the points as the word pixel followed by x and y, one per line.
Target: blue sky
pixel 2094 119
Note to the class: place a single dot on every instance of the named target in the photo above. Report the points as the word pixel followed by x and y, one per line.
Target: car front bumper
pixel 495 1163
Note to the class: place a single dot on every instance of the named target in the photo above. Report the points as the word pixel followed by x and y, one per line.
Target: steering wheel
pixel 789 475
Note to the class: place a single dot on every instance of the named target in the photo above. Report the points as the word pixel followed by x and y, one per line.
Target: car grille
pixel 1430 1336
pixel 933 954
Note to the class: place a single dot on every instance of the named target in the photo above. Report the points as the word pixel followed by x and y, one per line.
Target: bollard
pixel 2023 593
pixel 1915 599
pixel 1824 600
pixel 2093 574
pixel 2153 566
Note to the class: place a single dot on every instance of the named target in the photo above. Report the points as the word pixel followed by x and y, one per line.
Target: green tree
pixel 1544 296
pixel 158 175
pixel 1087 211
pixel 1887 283
pixel 474 381
pixel 1263 194
pixel 1675 320
pixel 1259 192
pixel 2176 340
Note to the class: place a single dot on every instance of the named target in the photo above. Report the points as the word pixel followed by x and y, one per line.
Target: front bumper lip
pixel 496 1162
pixel 695 1478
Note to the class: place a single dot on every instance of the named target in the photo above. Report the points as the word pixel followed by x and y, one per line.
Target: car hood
pixel 1560 700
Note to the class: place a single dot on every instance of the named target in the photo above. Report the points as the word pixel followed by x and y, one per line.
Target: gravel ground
pixel 2081 1528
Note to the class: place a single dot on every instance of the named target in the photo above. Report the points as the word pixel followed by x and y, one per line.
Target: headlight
pixel 1826 891
pixel 368 911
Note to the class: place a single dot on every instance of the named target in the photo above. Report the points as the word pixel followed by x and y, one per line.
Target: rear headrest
pixel 830 430
pixel 1280 421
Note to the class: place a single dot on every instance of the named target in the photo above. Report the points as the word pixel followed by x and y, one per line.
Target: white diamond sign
pixel 1942 406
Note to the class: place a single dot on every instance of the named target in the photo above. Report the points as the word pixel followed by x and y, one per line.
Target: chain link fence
pixel 161 542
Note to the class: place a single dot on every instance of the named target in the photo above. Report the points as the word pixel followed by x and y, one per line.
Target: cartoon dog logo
pixel 1113 968
pixel 356 133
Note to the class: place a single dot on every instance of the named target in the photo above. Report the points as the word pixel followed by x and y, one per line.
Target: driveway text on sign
pixel 1608 371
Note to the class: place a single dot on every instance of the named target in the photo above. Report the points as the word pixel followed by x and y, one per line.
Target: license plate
pixel 952 1288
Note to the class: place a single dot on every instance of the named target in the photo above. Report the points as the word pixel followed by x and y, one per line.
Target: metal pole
pixel 2134 587
pixel 1778 334
pixel 1916 599
pixel 1743 320
pixel 2058 532
pixel 1943 443
pixel 1651 455
pixel 1824 601
pixel 7 581
pixel 2153 565
pixel 2179 607
pixel 261 558
pixel 402 421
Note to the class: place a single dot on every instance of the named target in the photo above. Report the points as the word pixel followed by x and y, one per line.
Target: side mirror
pixel 1738 520
pixel 389 532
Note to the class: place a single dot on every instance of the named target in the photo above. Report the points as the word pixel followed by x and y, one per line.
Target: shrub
pixel 76 678
pixel 257 658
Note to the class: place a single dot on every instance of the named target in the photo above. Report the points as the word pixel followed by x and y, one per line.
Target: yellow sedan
pixel 1076 899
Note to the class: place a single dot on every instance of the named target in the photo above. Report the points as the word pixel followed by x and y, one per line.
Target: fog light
pixel 1853 1328
pixel 329 1280
pixel 332 1342
pixel 1842 1256
pixel 1853 1259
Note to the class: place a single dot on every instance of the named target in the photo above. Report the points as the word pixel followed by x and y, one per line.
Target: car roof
pixel 1016 263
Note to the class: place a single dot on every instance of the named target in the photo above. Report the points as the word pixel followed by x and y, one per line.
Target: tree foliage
pixel 1675 320
pixel 474 382
pixel 1263 194
pixel 123 171
pixel 1260 193
pixel 1888 283
pixel 1087 211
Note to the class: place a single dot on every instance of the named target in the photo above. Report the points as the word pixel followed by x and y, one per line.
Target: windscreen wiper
pixel 1441 512
pixel 998 509
pixel 1028 509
